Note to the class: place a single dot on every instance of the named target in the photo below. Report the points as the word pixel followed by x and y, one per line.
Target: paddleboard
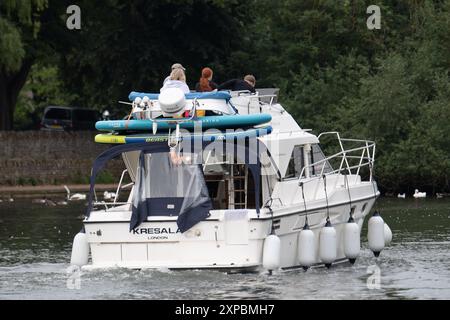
pixel 219 122
pixel 207 137
pixel 219 95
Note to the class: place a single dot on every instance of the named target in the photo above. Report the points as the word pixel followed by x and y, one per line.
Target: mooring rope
pixel 304 202
pixel 326 195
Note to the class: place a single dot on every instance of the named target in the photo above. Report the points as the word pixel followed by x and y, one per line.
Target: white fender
pixel 306 248
pixel 327 244
pixel 352 241
pixel 80 250
pixel 387 235
pixel 271 252
pixel 375 233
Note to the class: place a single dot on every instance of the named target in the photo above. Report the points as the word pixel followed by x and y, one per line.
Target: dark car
pixel 69 118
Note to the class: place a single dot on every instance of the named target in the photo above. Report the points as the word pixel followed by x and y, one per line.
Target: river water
pixel 35 245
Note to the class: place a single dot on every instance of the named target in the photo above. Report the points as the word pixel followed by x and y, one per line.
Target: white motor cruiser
pixel 272 201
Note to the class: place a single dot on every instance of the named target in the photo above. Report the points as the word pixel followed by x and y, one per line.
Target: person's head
pixel 207 75
pixel 178 74
pixel 178 66
pixel 250 79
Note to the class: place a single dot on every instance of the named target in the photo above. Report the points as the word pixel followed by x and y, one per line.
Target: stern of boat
pixel 226 240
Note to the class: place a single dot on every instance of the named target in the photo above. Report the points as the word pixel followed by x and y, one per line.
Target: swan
pixel 47 202
pixel 50 203
pixel 40 201
pixel 108 195
pixel 401 195
pixel 75 196
pixel 418 194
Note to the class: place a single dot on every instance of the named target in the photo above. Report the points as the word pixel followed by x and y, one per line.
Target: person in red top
pixel 205 83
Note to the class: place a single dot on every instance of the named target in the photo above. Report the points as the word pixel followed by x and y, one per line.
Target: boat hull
pixel 216 243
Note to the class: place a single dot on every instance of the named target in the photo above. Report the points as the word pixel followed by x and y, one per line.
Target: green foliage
pixel 105 177
pixel 11 47
pixel 18 23
pixel 43 88
pixel 390 85
pixel 131 46
pixel 79 178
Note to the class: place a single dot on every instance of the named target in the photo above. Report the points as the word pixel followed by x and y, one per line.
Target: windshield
pixel 170 185
pixel 85 115
pixel 58 114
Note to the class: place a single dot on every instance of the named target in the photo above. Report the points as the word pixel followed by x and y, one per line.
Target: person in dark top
pixel 205 83
pixel 238 84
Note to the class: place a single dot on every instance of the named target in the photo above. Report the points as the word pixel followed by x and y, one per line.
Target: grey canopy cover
pixel 193 209
pixel 165 188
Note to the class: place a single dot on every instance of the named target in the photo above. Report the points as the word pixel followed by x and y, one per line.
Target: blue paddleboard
pixel 208 137
pixel 218 95
pixel 219 122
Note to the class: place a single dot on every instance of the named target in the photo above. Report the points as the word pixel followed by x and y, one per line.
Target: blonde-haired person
pixel 177 79
pixel 174 66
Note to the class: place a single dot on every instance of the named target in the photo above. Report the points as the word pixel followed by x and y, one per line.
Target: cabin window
pixel 296 163
pixel 316 156
pixel 167 188
pixel 230 185
pixel 269 177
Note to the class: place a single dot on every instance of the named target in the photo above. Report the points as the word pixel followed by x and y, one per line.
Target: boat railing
pixel 258 108
pixel 110 205
pixel 120 187
pixel 351 161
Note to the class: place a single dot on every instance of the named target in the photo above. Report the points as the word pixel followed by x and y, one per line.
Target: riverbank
pixel 35 158
pixel 42 190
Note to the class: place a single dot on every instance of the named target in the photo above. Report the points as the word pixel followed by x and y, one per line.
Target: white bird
pixel 11 199
pixel 108 195
pixel 50 203
pixel 75 196
pixel 40 201
pixel 418 194
pixel 62 203
pixel 401 195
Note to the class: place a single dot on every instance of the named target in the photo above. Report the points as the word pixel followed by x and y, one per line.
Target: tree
pixel 43 88
pixel 403 106
pixel 122 46
pixel 19 30
pixel 131 45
